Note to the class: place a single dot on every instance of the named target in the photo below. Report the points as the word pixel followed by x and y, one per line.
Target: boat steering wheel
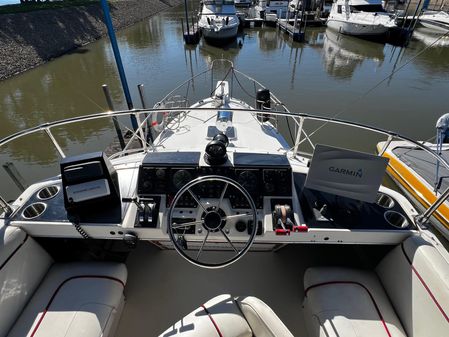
pixel 212 225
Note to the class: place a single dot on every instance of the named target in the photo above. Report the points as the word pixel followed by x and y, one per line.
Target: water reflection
pixel 67 87
pixel 435 60
pixel 140 36
pixel 228 51
pixel 342 54
pixel 269 39
pixel 430 38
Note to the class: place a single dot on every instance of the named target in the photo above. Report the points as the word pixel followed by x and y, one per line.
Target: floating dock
pixel 251 23
pixel 290 29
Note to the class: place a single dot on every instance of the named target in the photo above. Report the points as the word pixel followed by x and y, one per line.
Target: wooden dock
pixel 291 30
pixel 251 23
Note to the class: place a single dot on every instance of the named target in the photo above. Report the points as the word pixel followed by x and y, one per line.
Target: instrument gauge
pixel 160 174
pixel 181 177
pixel 248 179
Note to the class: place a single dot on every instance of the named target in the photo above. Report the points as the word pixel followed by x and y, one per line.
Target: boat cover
pixel 424 164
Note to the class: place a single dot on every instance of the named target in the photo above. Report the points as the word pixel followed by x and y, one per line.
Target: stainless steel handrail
pixel 303 117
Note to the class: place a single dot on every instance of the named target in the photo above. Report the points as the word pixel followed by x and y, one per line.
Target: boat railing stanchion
pixel 149 135
pixel 422 219
pixel 384 148
pixel 298 137
pixel 55 142
pixel 7 210
pixel 118 130
pixel 15 176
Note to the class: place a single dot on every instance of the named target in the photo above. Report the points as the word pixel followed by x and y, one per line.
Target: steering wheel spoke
pixel 213 220
pixel 229 241
pixel 222 195
pixel 202 246
pixel 186 224
pixel 197 200
pixel 238 216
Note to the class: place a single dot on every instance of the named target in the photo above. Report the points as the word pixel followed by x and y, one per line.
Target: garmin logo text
pixel 357 174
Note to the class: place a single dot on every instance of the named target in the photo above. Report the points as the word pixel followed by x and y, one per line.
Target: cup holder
pixel 34 210
pixel 48 192
pixel 396 219
pixel 384 200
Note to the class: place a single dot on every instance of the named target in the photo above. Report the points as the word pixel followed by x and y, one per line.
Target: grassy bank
pixel 35 6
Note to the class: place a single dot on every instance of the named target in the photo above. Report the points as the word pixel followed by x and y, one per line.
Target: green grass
pixel 30 7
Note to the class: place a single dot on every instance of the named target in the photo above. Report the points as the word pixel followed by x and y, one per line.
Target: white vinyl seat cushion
pixel 348 302
pixel 231 317
pixel 415 276
pixel 75 299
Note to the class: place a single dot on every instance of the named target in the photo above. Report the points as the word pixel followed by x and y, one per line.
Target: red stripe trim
pixel 425 285
pixel 361 285
pixel 14 251
pixel 213 321
pixel 59 288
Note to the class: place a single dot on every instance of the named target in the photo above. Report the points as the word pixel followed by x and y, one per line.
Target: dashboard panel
pixel 164 173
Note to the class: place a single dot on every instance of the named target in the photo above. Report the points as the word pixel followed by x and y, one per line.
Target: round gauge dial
pixel 160 173
pixel 248 179
pixel 181 177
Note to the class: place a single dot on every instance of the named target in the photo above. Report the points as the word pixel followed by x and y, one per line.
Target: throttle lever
pixel 136 201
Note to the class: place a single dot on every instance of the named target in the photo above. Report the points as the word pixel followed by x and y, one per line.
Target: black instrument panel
pixel 260 174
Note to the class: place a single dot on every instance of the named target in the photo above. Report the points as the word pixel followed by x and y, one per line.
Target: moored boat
pixel 420 175
pixel 218 20
pixel 435 20
pixel 360 18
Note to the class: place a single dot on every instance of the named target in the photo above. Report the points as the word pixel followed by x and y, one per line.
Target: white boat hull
pixel 223 33
pixel 436 21
pixel 435 25
pixel 357 29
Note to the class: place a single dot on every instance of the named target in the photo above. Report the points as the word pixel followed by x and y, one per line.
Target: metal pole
pixel 118 59
pixel 422 219
pixel 187 17
pixel 182 27
pixel 107 94
pixel 142 98
pixel 405 14
pixel 15 176
pixel 413 22
pixel 5 206
pixel 149 135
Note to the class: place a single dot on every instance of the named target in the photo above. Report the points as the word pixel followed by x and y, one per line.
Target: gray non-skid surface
pixel 162 287
pixel 424 164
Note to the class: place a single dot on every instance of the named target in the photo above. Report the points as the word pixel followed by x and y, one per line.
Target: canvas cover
pixel 346 173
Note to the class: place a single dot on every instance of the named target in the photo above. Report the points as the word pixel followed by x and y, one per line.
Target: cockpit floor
pixel 162 287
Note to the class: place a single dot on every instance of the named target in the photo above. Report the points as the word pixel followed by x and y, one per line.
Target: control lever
pixel 283 230
pixel 136 201
pixel 147 210
pixel 281 216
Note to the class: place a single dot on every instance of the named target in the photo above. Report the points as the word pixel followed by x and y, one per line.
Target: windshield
pixel 219 2
pixel 367 8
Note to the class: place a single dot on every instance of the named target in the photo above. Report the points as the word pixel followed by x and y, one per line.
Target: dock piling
pixel 118 130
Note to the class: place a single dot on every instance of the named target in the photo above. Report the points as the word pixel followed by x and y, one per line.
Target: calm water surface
pixel 330 75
